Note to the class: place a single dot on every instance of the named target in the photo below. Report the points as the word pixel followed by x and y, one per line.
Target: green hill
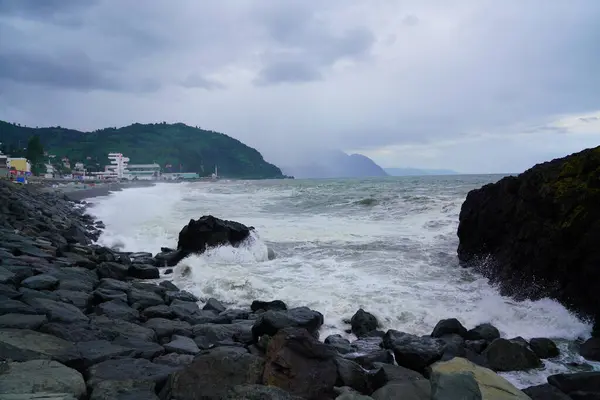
pixel 196 150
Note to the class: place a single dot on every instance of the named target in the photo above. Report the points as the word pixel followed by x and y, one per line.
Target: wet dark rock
pixel 353 375
pixel 113 285
pixel 477 346
pixel 271 322
pixel 112 270
pixel 174 360
pixel 363 322
pixel 181 345
pixel 143 271
pixel 35 294
pixel 140 299
pixel 275 305
pixel 141 348
pixel 520 340
pixel 413 352
pixel 150 287
pixel 9 306
pixel 57 311
pixel 368 360
pixel 77 332
pixel 485 331
pixel 79 299
pixel 209 335
pixel 544 348
pixel 214 305
pixel 505 355
pixel 213 374
pixel 369 343
pixel 161 311
pixel 124 390
pixel 209 231
pixel 234 314
pixel 118 328
pixel 386 373
pixel 20 272
pixel 571 384
pixel 455 346
pixel 7 277
pixel 448 327
pixel 22 321
pixel 590 349
pixel 170 296
pixel 126 369
pixel 96 351
pixel 539 231
pixel 169 286
pixel 186 310
pixel 166 328
pixel 41 282
pixel 26 345
pixel 545 392
pixel 118 309
pixel 102 295
pixel 342 345
pixel 255 392
pixel 300 364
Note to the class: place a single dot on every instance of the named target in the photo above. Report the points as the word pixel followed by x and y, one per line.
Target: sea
pixel 387 245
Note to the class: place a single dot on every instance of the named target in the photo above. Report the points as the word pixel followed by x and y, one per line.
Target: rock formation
pixel 536 234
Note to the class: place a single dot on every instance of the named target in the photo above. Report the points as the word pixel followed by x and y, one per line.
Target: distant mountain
pixel 334 164
pixel 177 145
pixel 418 172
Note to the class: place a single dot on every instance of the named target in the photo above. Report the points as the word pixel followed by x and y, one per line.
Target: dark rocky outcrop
pixel 205 232
pixel 363 322
pixel 536 234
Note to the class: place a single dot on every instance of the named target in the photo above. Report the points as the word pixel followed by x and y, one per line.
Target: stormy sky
pixel 470 85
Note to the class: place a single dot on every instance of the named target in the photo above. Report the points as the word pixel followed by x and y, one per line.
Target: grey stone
pixel 161 311
pixel 124 390
pixel 342 345
pixel 449 327
pixel 112 270
pixel 140 299
pixel 545 392
pixel 57 311
pixel 259 392
pixel 143 271
pixel 544 348
pixel 505 355
pixel 7 277
pixel 102 295
pixel 209 335
pixel 181 345
pixel 125 369
pixel 213 304
pixel 166 328
pixel 141 348
pixel 386 373
pixel 27 345
pixel 414 352
pixel 94 352
pixel 9 291
pixel 113 284
pixel 118 309
pixel 180 295
pixel 37 377
pixel 456 386
pixel 41 282
pixel 22 321
pixel 483 331
pixel 353 375
pixel 270 322
pixel 9 306
pixel 124 329
pixel 174 359
pixel 78 332
pixel 79 299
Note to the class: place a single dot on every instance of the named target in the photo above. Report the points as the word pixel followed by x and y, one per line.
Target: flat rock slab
pixel 127 369
pixel 22 321
pixel 98 351
pixel 9 306
pixel 182 345
pixel 124 390
pixel 57 311
pixel 39 377
pixel 26 345
pixel 41 282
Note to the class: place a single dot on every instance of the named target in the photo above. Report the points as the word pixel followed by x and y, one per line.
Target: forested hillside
pixel 196 150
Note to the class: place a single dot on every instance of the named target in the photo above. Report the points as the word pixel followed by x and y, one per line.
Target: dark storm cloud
pixel 74 71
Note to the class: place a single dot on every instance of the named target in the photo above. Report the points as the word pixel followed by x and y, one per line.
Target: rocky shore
pixel 81 321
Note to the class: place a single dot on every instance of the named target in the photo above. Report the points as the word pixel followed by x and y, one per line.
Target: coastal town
pixel 117 169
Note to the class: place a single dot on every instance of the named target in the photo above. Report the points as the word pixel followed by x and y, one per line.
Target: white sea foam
pixel 394 257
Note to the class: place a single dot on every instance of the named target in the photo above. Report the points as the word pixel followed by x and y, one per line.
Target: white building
pixel 118 165
pixel 143 171
pixel 50 171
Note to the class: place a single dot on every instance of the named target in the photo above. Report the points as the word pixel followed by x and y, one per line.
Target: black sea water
pixel 386 245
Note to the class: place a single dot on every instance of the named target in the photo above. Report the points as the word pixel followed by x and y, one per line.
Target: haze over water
pixel 386 245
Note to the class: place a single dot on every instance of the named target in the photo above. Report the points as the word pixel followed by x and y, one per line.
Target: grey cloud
pixel 199 82
pixel 74 71
pixel 410 20
pixel 287 71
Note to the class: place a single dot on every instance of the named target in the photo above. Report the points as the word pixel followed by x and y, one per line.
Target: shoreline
pixel 83 191
pixel 105 319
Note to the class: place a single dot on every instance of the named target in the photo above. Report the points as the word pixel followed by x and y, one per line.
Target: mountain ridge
pixel 323 164
pixel 184 147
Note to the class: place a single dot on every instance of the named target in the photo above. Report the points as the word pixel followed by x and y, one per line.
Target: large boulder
pixel 300 364
pixel 213 374
pixel 536 234
pixel 206 232
pixel 450 378
pixel 41 378
pixel 508 355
